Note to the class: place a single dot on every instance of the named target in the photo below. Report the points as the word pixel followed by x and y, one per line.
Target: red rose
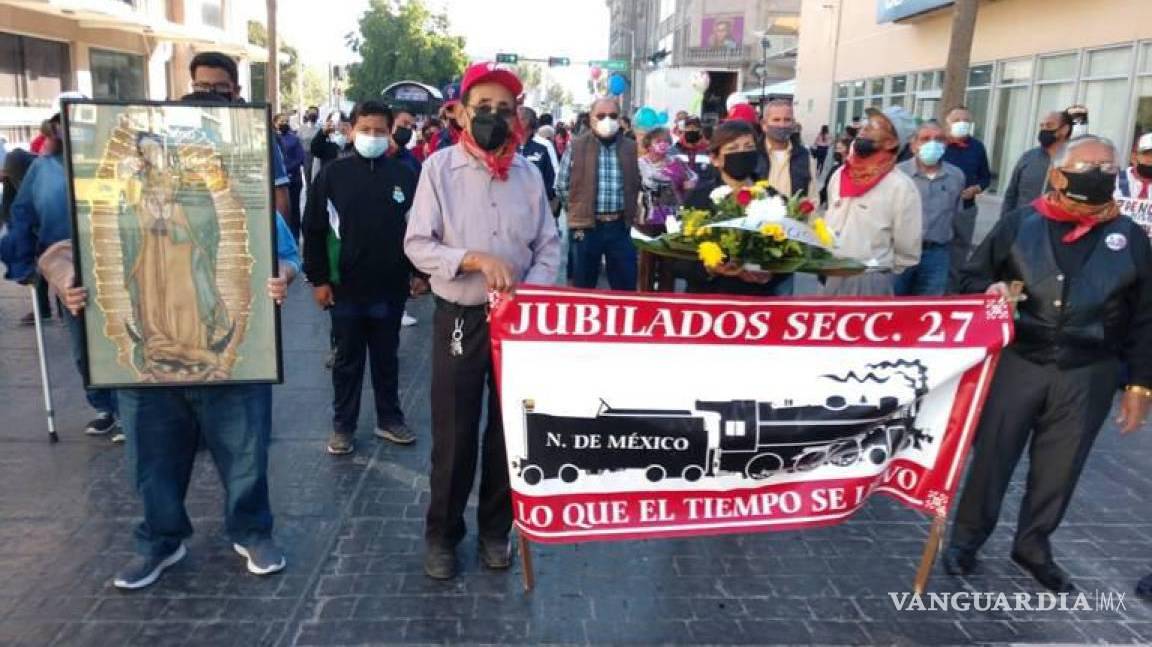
pixel 744 197
pixel 806 207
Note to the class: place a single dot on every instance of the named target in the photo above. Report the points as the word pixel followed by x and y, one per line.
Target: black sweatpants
pixel 458 384
pixel 1060 411
pixel 361 331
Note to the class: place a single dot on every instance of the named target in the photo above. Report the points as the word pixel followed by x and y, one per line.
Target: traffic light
pixel 558 61
pixel 510 59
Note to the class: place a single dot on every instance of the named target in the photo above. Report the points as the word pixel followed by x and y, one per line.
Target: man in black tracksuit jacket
pixel 354 258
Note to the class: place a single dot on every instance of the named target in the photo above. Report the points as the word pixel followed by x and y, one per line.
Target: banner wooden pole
pixel 928 559
pixel 526 563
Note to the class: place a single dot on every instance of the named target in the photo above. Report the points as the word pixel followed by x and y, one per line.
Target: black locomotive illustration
pixel 752 438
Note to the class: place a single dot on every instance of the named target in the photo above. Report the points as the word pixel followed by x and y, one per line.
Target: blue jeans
pixel 610 241
pixel 361 330
pixel 163 426
pixel 102 400
pixel 930 277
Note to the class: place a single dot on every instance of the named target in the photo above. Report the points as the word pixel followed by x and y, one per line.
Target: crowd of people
pixel 391 205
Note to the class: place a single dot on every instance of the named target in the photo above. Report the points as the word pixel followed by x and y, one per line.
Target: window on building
pixel 209 13
pixel 33 71
pixel 1142 121
pixel 116 75
pixel 1015 131
pixel 979 96
pixel 1105 92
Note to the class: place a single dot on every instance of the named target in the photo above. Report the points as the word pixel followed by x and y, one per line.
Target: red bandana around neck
pixel 860 174
pixel 498 161
pixel 1084 223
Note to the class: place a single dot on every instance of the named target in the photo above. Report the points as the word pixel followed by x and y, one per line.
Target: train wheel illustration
pixel 655 473
pixel 844 454
pixel 569 473
pixel 810 460
pixel 762 466
pixel 878 455
pixel 692 473
pixel 532 475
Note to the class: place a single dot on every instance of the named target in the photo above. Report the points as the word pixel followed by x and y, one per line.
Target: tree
pixel 258 35
pixel 401 40
pixel 959 55
pixel 557 95
pixel 529 74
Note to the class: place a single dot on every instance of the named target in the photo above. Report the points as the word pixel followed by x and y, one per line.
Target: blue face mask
pixel 931 152
pixel 369 146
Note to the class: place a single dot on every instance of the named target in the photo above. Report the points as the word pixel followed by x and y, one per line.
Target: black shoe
pixel 102 424
pixel 958 562
pixel 440 563
pixel 143 570
pixel 396 432
pixel 1144 588
pixel 1047 574
pixel 496 553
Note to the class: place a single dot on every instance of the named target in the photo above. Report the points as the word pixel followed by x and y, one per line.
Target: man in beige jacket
pixel 874 211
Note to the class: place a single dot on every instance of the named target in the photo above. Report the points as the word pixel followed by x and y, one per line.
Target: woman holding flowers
pixel 873 211
pixel 734 155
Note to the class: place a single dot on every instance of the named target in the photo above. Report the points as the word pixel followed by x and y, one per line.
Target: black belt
pixel 456 307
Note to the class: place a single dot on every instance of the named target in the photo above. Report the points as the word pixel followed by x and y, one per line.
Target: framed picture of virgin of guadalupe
pixel 174 236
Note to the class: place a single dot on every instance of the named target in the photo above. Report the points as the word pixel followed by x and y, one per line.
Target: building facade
pixel 751 43
pixel 1029 57
pixel 108 49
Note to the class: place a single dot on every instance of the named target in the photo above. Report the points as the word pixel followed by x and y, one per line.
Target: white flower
pixel 671 224
pixel 766 210
pixel 719 193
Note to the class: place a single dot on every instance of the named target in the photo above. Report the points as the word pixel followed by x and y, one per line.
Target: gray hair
pixel 598 100
pixel 1062 156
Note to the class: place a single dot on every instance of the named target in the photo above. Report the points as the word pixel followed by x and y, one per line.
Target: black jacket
pixel 1088 300
pixel 537 153
pixel 371 198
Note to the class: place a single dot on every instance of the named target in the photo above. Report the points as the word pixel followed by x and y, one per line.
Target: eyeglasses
pixel 507 114
pixel 218 88
pixel 601 116
pixel 1084 167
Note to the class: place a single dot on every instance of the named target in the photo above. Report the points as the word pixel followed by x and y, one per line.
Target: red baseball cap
pixel 742 112
pixel 490 72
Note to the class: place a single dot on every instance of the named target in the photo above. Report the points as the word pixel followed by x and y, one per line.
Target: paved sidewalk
pixel 352 529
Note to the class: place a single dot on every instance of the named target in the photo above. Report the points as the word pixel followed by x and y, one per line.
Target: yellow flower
pixel 757 191
pixel 711 254
pixel 774 231
pixel 822 232
pixel 689 230
pixel 762 184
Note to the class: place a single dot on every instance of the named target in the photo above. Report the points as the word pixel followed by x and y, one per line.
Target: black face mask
pixel 865 147
pixel 1144 171
pixel 1047 137
pixel 311 117
pixel 1092 187
pixel 402 136
pixel 692 136
pixel 740 166
pixel 490 130
pixel 284 129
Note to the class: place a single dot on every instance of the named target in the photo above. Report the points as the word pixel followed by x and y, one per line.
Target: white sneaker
pixel 408 320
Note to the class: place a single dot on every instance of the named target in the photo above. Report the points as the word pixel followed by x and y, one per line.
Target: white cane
pixel 36 315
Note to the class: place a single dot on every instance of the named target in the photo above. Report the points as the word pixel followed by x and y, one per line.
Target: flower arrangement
pixel 754 228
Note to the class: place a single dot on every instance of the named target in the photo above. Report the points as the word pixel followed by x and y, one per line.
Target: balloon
pixel 595 72
pixel 647 118
pixel 700 81
pixel 617 84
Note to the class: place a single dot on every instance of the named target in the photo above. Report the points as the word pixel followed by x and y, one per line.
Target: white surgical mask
pixel 1079 129
pixel 338 139
pixel 961 129
pixel 370 146
pixel 607 127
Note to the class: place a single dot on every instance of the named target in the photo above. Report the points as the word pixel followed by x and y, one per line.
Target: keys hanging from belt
pixel 456 341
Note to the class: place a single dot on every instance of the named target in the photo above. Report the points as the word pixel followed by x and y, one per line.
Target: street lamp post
pixel 765 44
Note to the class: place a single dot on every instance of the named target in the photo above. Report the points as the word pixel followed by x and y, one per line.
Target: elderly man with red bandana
pixel 480 223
